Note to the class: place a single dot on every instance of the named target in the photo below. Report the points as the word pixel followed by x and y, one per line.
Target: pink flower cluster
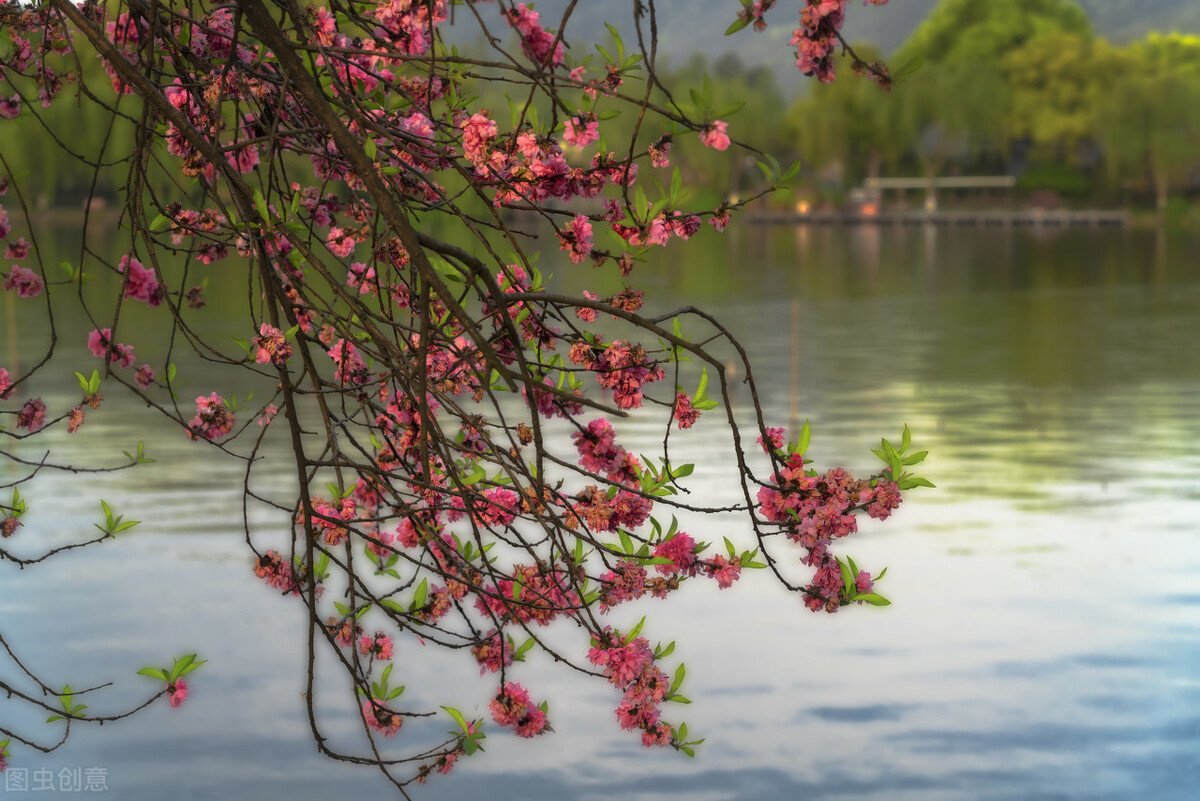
pixel 685 414
pixel 493 652
pixel 576 239
pixel 539 595
pixel 478 133
pixel 817 37
pixel 630 666
pixel 381 719
pixel 817 509
pixel 513 708
pixel 272 346
pixel 278 572
pixel 213 419
pixel 16 250
pixel 361 277
pixel 657 231
pixel 25 282
pixel 602 513
pixel 350 366
pixel 32 415
pixel 619 367
pixel 680 550
pixel 377 646
pixel 626 583
pixel 723 571
pixel 551 405
pixel 327 519
pixel 495 507
pixel 140 283
pixel 177 693
pixel 538 43
pixel 98 343
pixel 599 453
pixel 581 131
pixel 714 135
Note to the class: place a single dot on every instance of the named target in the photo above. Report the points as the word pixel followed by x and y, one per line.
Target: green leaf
pixel 909 483
pixel 260 204
pixel 847 577
pixel 422 592
pixel 873 599
pixel 525 648
pixel 369 147
pixel 680 672
pixel 909 67
pixel 159 222
pixel 153 673
pixel 626 542
pixel 734 27
pixel 805 439
pixel 458 718
pixel 905 439
pixel 915 458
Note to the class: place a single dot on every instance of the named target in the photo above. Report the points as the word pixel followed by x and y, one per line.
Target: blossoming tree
pixel 453 421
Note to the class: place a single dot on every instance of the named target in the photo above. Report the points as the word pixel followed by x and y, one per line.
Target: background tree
pixel 1150 119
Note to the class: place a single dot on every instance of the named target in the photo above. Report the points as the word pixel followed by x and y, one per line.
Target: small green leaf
pixel 735 26
pixel 909 67
pixel 626 542
pixel 458 717
pixel 680 672
pixel 805 439
pixel 909 483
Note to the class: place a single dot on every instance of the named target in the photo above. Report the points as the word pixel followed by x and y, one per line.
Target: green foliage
pixel 1061 178
pixel 958 32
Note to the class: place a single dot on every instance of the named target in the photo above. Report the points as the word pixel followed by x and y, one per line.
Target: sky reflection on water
pixel 1045 625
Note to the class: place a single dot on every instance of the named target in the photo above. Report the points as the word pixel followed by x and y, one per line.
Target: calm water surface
pixel 1044 636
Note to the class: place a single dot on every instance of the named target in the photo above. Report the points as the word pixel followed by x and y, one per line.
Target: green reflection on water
pixel 1024 359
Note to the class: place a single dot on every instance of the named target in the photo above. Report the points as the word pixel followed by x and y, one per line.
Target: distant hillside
pixel 1122 21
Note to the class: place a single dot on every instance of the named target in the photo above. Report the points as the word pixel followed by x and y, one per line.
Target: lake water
pixel 1044 636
